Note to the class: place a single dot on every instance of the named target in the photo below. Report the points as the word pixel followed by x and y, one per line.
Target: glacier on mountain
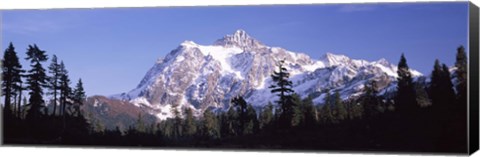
pixel 203 76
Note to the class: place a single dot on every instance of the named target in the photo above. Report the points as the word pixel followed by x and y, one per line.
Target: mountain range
pixel 209 76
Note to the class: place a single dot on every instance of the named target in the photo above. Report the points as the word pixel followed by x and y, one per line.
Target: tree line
pixel 33 117
pixel 419 115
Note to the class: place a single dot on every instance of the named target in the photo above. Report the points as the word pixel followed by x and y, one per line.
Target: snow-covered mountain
pixel 202 76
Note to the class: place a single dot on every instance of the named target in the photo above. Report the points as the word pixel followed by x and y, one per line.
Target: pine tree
pixel 36 80
pixel 370 100
pixel 11 77
pixel 283 88
pixel 251 125
pixel 190 127
pixel 461 73
pixel 422 95
pixel 232 122
pixel 53 80
pixel 356 109
pixel 20 91
pixel 298 117
pixel 441 88
pixel 435 88
pixel 177 121
pixel 210 126
pixel 241 106
pixel 448 92
pixel 266 116
pixel 309 112
pixel 340 109
pixel 140 124
pixel 326 115
pixel 406 98
pixel 65 90
pixel 79 97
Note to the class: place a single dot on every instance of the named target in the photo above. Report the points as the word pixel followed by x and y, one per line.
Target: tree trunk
pixel 54 101
pixel 19 99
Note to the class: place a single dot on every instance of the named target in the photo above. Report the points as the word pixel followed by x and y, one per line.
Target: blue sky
pixel 112 49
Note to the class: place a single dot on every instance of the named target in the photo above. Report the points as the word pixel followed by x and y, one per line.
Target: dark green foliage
pixel 405 99
pixel 140 124
pixel 65 90
pixel 441 88
pixel 251 125
pixel 231 123
pixel 190 126
pixel 266 117
pixel 177 121
pixel 448 91
pixel 36 80
pixel 283 89
pixel 308 113
pixel 365 123
pixel 435 83
pixel 461 75
pixel 462 80
pixel 79 97
pixel 326 113
pixel 371 101
pixel 423 99
pixel 241 107
pixel 298 116
pixel 355 109
pixel 53 81
pixel 210 127
pixel 11 78
pixel 340 112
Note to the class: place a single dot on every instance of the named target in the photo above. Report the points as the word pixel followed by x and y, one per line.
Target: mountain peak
pixel 240 33
pixel 334 59
pixel 188 43
pixel 239 39
pixel 383 61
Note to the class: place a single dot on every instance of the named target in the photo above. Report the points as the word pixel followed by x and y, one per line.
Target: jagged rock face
pixel 200 76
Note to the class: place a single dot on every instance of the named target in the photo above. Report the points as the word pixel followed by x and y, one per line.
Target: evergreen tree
pixel 36 80
pixel 210 126
pixel 190 127
pixel 177 121
pixel 435 88
pixel 371 101
pixel 25 105
pixel 298 117
pixel 461 74
pixel 251 125
pixel 20 91
pixel 356 109
pixel 232 122
pixel 266 116
pixel 441 88
pixel 79 97
pixel 65 89
pixel 340 109
pixel 447 89
pixel 241 106
pixel 11 77
pixel 53 80
pixel 309 112
pixel 167 128
pixel 422 95
pixel 140 124
pixel 326 115
pixel 283 88
pixel 406 98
